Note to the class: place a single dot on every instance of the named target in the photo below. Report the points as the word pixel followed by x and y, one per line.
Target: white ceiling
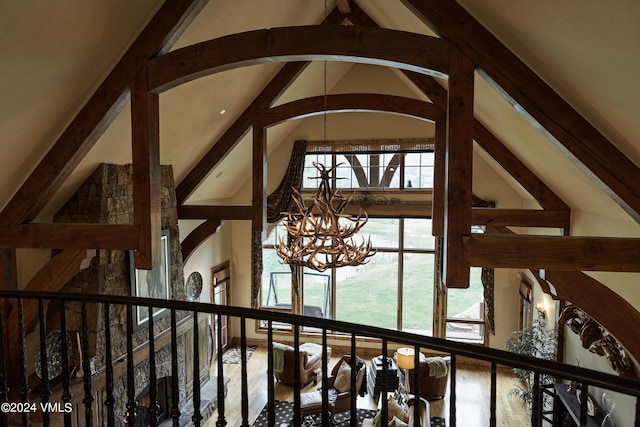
pixel 55 54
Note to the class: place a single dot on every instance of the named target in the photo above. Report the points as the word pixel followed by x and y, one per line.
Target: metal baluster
pixel 354 392
pixel 22 355
pixel 271 391
pixel 385 385
pixel 416 386
pixel 197 417
pixel 245 376
pixel 325 380
pixel 536 407
pixel 492 403
pixel 88 397
pixel 44 366
pixel 297 413
pixel 175 392
pixel 583 393
pixel 66 370
pixel 131 387
pixel 153 379
pixel 221 422
pixel 452 397
pixel 110 400
pixel 4 387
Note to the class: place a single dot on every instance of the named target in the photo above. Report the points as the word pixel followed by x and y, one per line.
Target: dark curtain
pixel 277 202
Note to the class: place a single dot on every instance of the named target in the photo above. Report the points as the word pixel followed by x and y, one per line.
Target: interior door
pixel 220 282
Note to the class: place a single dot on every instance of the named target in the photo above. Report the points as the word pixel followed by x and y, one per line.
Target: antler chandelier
pixel 322 236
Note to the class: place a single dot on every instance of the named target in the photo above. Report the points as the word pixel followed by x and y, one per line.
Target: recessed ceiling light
pixel 223 111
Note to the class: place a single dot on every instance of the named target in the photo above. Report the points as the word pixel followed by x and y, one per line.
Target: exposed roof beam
pixel 349 102
pixel 241 125
pixel 215 213
pixel 520 217
pixel 70 236
pixel 198 235
pixel 344 6
pixel 98 113
pixel 617 316
pixel 563 253
pixel 594 154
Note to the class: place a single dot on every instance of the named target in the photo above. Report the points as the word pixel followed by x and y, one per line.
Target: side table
pixel 376 379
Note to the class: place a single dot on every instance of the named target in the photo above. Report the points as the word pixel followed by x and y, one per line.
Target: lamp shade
pixel 405 357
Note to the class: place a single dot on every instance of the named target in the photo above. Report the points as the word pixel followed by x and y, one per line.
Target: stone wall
pixel 107 197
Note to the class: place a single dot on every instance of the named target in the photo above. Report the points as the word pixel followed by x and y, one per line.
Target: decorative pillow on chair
pixel 395 410
pixel 342 383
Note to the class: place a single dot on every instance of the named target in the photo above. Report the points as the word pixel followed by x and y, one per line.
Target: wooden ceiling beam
pixel 145 149
pixel 563 253
pixel 99 111
pixel 216 213
pixel 349 102
pixel 367 45
pixel 520 217
pixel 458 170
pixel 70 236
pixel 615 173
pixel 344 6
pixel 617 316
pixel 198 235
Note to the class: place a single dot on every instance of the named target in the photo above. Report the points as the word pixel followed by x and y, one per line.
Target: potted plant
pixel 536 340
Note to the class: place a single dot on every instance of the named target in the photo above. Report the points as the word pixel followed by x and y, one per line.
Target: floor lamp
pixel 406 358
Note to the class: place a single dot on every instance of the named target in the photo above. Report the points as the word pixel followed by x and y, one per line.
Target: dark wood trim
pixel 98 113
pixel 145 149
pixel 197 236
pixel 70 236
pixel 521 217
pixel 458 170
pixel 369 45
pixel 214 213
pixel 563 253
pixel 591 151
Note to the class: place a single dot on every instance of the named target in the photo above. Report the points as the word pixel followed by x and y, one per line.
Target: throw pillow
pixel 395 410
pixel 342 383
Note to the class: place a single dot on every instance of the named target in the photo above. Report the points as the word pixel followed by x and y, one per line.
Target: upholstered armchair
pixel 434 375
pixel 310 362
pixel 339 387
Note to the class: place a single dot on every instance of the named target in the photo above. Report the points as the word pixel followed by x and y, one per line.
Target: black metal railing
pixel 31 401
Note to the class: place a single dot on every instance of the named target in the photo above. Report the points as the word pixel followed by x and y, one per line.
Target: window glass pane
pixel 317 293
pixel 276 281
pixel 417 293
pixel 417 234
pixel 412 159
pixel 310 174
pixel 369 294
pixel 412 177
pixel 467 303
pixel 382 231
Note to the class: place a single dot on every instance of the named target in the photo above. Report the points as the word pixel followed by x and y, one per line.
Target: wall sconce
pixel 541 311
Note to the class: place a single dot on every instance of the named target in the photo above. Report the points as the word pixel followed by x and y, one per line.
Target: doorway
pixel 220 283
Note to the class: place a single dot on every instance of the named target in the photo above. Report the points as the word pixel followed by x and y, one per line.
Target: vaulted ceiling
pixel 56 55
pixel 555 86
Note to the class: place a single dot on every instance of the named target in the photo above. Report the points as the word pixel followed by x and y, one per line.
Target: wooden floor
pixel 473 385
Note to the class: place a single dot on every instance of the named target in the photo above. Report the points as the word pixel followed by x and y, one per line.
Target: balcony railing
pixel 19 408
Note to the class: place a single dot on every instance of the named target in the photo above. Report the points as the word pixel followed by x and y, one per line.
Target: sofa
pixel 432 386
pixel 310 355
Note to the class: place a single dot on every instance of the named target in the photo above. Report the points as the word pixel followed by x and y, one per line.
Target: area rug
pixel 233 354
pixel 284 415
